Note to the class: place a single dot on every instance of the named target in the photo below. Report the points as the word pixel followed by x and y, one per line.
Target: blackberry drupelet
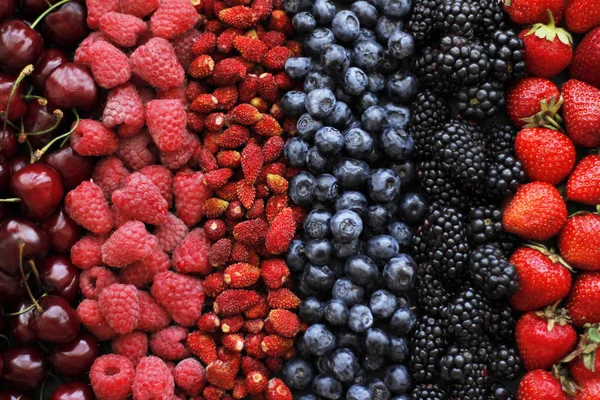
pixel 462 61
pixel 429 113
pixel 428 391
pixel 457 17
pixel 507 243
pixel 432 294
pixel 505 362
pixel 502 321
pixel 467 313
pixel 484 224
pixel 499 392
pixel 421 21
pixel 503 177
pixel 500 138
pixel 492 18
pixel 506 52
pixel 492 273
pixel 427 344
pixel 482 100
pixel 456 364
pixel 439 187
pixel 479 345
pixel 475 387
pixel 426 69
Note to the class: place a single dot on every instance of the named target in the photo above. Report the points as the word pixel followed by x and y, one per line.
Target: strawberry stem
pixel 48 11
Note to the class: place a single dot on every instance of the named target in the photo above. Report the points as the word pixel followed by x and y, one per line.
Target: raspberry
pixel 124 107
pixel 91 138
pixel 139 8
pixel 170 233
pixel 110 174
pixel 177 159
pixel 190 376
pixel 97 8
pixel 140 199
pixel 128 244
pixel 191 256
pixel 111 376
pixel 162 179
pixel 87 252
pixel 153 380
pixel 88 312
pixel 173 18
pixel 168 343
pixel 153 317
pixel 181 295
pixel 119 306
pixel 137 151
pixel 123 29
pixel 108 74
pixel 190 194
pixel 156 63
pixel 87 206
pixel 94 280
pixel 119 217
pixel 141 273
pixel 83 54
pixel 166 121
pixel 182 45
pixel 132 345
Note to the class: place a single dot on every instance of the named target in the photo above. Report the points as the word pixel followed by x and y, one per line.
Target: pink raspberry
pixel 109 74
pixel 97 8
pixel 190 376
pixel 123 29
pixel 162 179
pixel 169 343
pixel 153 316
pixel 87 252
pixel 190 194
pixel 170 233
pixel 88 312
pixel 111 376
pixel 87 206
pixel 139 8
pixel 141 273
pixel 174 93
pixel 176 159
pixel 156 63
pixel 83 55
pixel 183 44
pixel 119 306
pixel 137 151
pixel 166 121
pixel 128 244
pixel 133 345
pixel 124 107
pixel 119 217
pixel 173 18
pixel 140 199
pixel 91 138
pixel 94 280
pixel 181 295
pixel 191 256
pixel 110 174
pixel 153 380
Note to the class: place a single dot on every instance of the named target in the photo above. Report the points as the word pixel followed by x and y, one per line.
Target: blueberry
pixel 351 173
pixel 306 397
pixel 402 87
pixel 318 39
pixel 398 116
pixel 323 11
pixel 340 95
pixel 377 342
pixel 319 278
pixel 355 81
pixel 402 233
pixel 328 140
pixel 389 64
pixel 349 339
pixel 373 362
pixel 360 319
pixel 343 364
pixel 294 152
pixel 376 82
pixel 340 116
pixel 386 26
pixel 398 349
pixel 397 143
pixel 347 291
pixel 298 373
pixel 397 379
pixel 344 250
pixel 318 80
pixel 367 55
pixel 345 26
pixel 401 45
pixel 358 392
pixel 317 163
pixel 396 8
pixel 376 156
pixel 304 22
pixel 364 35
pixel 406 171
pixel 311 310
pixel 294 6
pixel 307 126
pixel 295 258
pixel 316 224
pixel 319 340
pixel 365 12
pixel 361 269
pixel 358 143
pixel 399 273
pixel 337 266
pixel 346 225
pixel 382 248
pixel 374 119
pixel 379 390
pixel 353 201
pixel 412 208
pixel 403 397
pixel 403 322
pixel 335 60
pixel 377 217
pixel 327 387
pixel 384 185
pixel 365 101
pixel 318 251
pixel 297 67
pixel 326 189
pixel 304 289
pixel 301 188
pixel 383 304
pixel 293 103
pixel 323 364
pixel 336 312
pixel 320 102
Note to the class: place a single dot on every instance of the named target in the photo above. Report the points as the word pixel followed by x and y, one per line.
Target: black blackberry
pixel 502 321
pixel 456 364
pixel 462 61
pixel 431 293
pixel 467 313
pixel 505 362
pixel 429 113
pixel 482 100
pixel 427 344
pixel 421 20
pixel 426 69
pixel 428 391
pixel 506 52
pixel 479 345
pixel 492 273
pixel 439 187
pixel 475 386
pixel 457 17
pixel 491 17
pixel 500 138
pixel 503 177
pixel 507 243
pixel 499 392
pixel 484 224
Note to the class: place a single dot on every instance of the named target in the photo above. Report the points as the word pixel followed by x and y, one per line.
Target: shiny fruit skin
pixel 49 61
pixel 11 288
pixel 579 242
pixel 34 237
pixel 66 26
pixel 19 45
pixel 73 391
pixel 60 277
pixel 72 86
pixel 540 385
pixel 39 118
pixel 16 163
pixel 18 107
pixel 40 189
pixel 20 325
pixel 13 395
pixel 25 367
pixel 62 231
pixel 75 358
pixel 72 167
pixel 58 322
pixel 584 299
pixel 7 8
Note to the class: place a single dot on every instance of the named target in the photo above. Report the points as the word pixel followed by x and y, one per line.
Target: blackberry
pixel 427 344
pixel 467 314
pixel 502 321
pixel 432 294
pixel 484 224
pixel 492 273
pixel 482 100
pixel 505 362
pixel 475 386
pixel 491 18
pixel 503 177
pixel 421 21
pixel 456 364
pixel 426 69
pixel 457 17
pixel 429 113
pixel 439 187
pixel 506 52
pixel 507 243
pixel 428 391
pixel 462 61
pixel 499 392
pixel 500 138
pixel 479 345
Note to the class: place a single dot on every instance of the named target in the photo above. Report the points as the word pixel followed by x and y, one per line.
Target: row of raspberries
pixel 187 213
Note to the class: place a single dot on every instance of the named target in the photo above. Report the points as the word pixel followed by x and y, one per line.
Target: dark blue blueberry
pixel 304 22
pixel 319 278
pixel 353 123
pixel 364 35
pixel 390 64
pixel 398 116
pixel 294 6
pixel 402 233
pixel 365 101
pixel 345 26
pixel 406 172
pixel 360 319
pixel 317 163
pixel 335 60
pixel 377 342
pixel 383 304
pixel 384 185
pixel 391 207
pixel 319 340
pixel 293 103
pixel 412 208
pixel 320 102
pixel 303 288
pixel 397 379
pixel 351 173
pixel 399 273
pixel 295 258
pixel 355 81
pixel 402 87
pixel 386 26
pixel 318 80
pixel 398 349
pixel 295 152
pixel 327 387
pixel 401 45
pixel 329 140
pixel 382 248
pixel 344 250
pixel 340 95
pixel 318 251
pixel 311 310
pixel 346 225
pixel 377 217
pixel 403 322
pixel 323 11
pixel 367 55
pixel 365 12
pixel 403 397
pixel 343 363
pixel 316 224
pixel 349 339
pixel 358 392
pixel 322 364
pixel 347 291
pixel 376 82
pixel 353 201
pixel 379 390
pixel 358 143
pixel 396 8
pixel 397 143
pixel 307 126
pixel 336 312
pixel 337 266
pixel 297 67
pixel 374 119
pixel 340 116
pixel 318 39
pixel 301 188
pixel 326 189
pixel 373 362
pixel 307 397
pixel 298 373
pixel 361 269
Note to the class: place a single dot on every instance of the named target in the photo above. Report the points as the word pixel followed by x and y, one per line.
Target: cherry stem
pixel 26 71
pixel 12 200
pixel 38 280
pixel 6 337
pixel 41 100
pixel 39 153
pixel 48 11
pixel 21 245
pixel 59 116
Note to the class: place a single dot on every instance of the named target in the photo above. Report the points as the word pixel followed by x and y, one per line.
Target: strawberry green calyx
pixel 554 316
pixel 550 31
pixel 550 253
pixel 587 347
pixel 548 116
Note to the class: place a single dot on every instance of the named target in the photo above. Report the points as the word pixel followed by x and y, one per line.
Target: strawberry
pixel 589 391
pixel 585 59
pixel 543 278
pixel 582 15
pixel 584 299
pixel 540 385
pixel 548 49
pixel 529 12
pixel 547 155
pixel 544 338
pixel 584 183
pixel 532 102
pixel 583 362
pixel 581 111
pixel 579 241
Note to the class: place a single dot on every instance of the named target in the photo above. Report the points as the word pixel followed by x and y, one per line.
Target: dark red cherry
pixel 25 367
pixel 37 119
pixel 17 104
pixel 8 142
pixel 13 395
pixel 49 61
pixel 11 288
pixel 36 7
pixel 20 45
pixel 4 175
pixel 62 231
pixel 73 168
pixel 40 188
pixel 75 358
pixel 66 26
pixel 33 236
pixel 21 324
pixel 72 86
pixel 60 277
pixel 58 322
pixel 18 162
pixel 3 324
pixel 73 391
pixel 6 9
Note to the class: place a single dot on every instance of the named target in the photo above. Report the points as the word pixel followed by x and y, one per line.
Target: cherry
pixel 18 162
pixel 21 323
pixel 73 391
pixel 12 289
pixel 17 104
pixel 40 188
pixel 66 26
pixel 39 123
pixel 36 7
pixel 35 240
pixel 57 322
pixel 73 168
pixel 8 142
pixel 72 86
pixel 25 367
pixel 49 61
pixel 12 395
pixel 60 277
pixel 62 231
pixel 20 45
pixel 6 8
pixel 75 358
pixel 4 176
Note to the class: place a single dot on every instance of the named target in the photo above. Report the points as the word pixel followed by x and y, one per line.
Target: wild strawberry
pixel 222 373
pixel 540 384
pixel 275 58
pixel 251 49
pixel 259 310
pixel 256 382
pixel 579 241
pixel 276 363
pixel 280 22
pixel 283 298
pixel 277 184
pixel 218 178
pixel 274 206
pixel 227 72
pixel 235 212
pixel 529 12
pixel 227 192
pixel 233 342
pixel 206 43
pixel 277 390
pixel 246 193
pixel 273 148
pixel 204 103
pixel 285 323
pixel 232 324
pixel 214 284
pixel 229 159
pixel 245 114
pixel 283 80
pixel 262 9
pixel 274 273
pixel 583 185
pixel 267 87
pixel 248 88
pixel 281 232
pixel 214 208
pixel 253 345
pixel 215 121
pixel 209 323
pixel 241 275
pixel 260 104
pixel 201 67
pixel 581 112
pixel 202 346
pixel 240 17
pixel 235 301
pixel 252 162
pixel 253 325
pixel 213 393
pixel 234 137
pixel 267 126
pixel 211 141
pixel 220 252
pixel 227 96
pixel 251 233
pixel 226 38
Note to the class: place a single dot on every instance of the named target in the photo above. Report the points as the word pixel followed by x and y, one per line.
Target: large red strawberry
pixel 586 59
pixel 579 241
pixel 547 155
pixel 544 338
pixel 581 111
pixel 543 278
pixel 533 102
pixel 529 12
pixel 589 391
pixel 584 299
pixel 535 212
pixel 584 362
pixel 548 49
pixel 540 385
pixel 584 183
pixel 582 15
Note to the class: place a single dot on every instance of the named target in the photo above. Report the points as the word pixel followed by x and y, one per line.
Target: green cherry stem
pixel 48 11
pixel 37 155
pixel 21 245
